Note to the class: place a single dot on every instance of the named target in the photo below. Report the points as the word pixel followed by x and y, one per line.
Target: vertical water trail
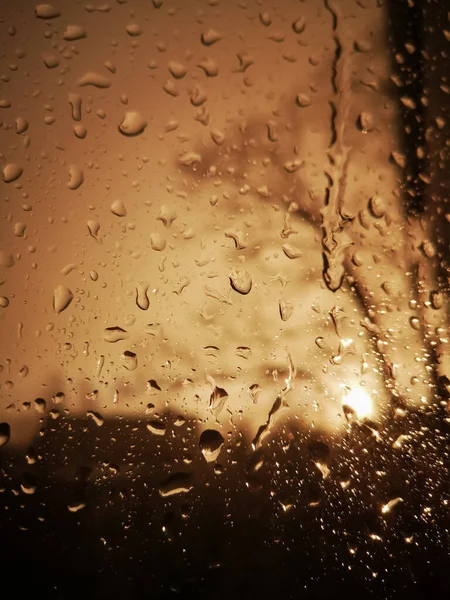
pixel 334 222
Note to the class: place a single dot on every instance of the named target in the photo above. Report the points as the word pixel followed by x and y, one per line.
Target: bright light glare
pixel 359 402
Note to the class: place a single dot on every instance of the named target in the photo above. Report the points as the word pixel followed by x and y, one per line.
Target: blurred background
pixel 223 298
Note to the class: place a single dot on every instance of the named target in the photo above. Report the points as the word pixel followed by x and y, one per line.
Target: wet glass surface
pixel 224 275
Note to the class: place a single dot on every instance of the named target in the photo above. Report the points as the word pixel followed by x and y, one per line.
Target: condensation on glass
pixel 223 296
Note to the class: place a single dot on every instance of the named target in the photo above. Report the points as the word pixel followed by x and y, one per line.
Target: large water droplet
pixel 76 177
pixel 211 442
pixel 12 172
pixel 133 123
pixel 94 79
pixel 62 297
pixel 241 281
pixel 118 208
pixel 74 32
pixel 46 11
pixel 210 37
pixel 157 427
pixel 5 433
pixel 142 300
pixel 115 334
pixel 178 483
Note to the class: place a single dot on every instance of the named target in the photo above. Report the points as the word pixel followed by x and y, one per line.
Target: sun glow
pixel 359 402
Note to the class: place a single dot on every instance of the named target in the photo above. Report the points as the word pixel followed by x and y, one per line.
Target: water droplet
pixel 156 427
pixel 133 30
pixel 74 32
pixel 80 131
pixel 62 297
pixel 130 361
pixel 153 384
pixel 366 122
pixel 12 172
pixel 46 11
pixel 5 433
pixel 75 101
pixel 167 215
pixel 28 484
pixel 303 100
pixel 96 417
pixel 291 251
pixel 254 391
pixel 74 507
pixel 133 124
pixel 428 249
pixel 157 241
pixel 217 400
pixel 210 37
pixel 118 208
pixel 241 281
pixel 437 300
pixel 115 334
pixel 170 88
pixel 299 25
pixel 209 67
pixel 4 302
pixel 21 125
pixel 265 19
pixel 238 237
pixel 177 70
pixel 190 159
pixel 51 61
pixel 6 259
pixel 415 323
pixel 94 79
pixel 93 228
pixel 76 177
pixel 142 300
pixel 211 442
pixel 178 483
pixel 377 206
pixel 286 309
